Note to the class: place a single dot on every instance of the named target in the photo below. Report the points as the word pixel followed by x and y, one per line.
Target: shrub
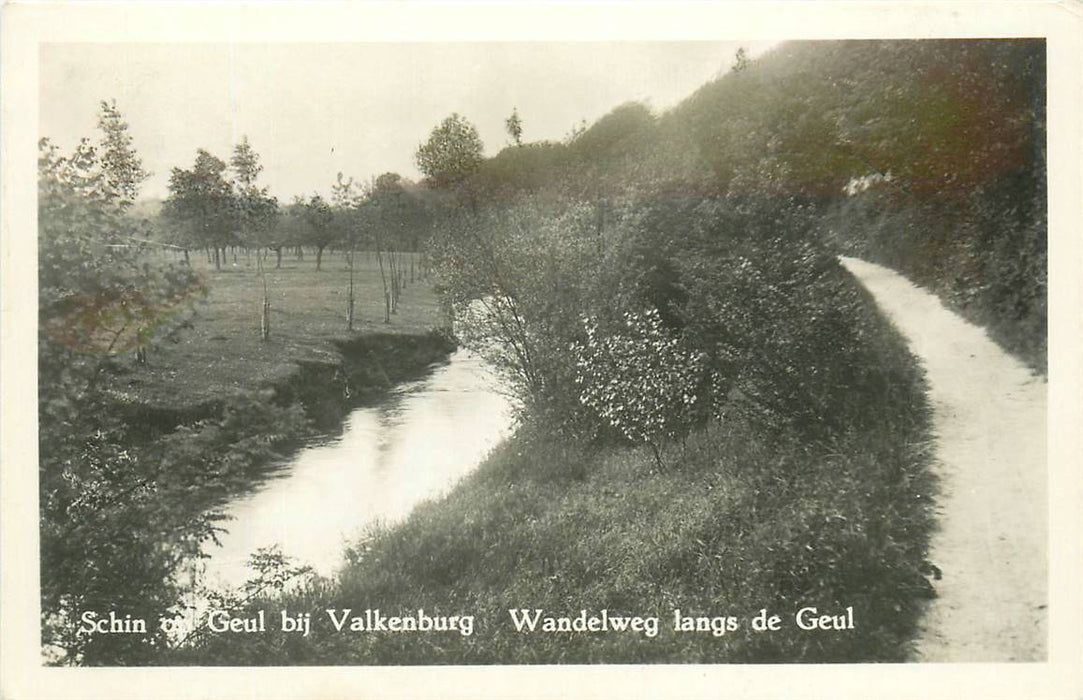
pixel 641 379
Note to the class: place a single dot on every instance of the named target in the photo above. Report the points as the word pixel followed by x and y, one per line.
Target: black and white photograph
pixel 479 352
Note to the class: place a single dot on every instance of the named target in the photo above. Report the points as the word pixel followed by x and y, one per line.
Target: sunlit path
pixel 989 414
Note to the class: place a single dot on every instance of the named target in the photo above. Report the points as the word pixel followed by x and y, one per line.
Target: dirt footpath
pixel 990 426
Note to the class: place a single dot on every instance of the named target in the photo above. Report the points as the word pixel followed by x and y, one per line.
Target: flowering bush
pixel 642 380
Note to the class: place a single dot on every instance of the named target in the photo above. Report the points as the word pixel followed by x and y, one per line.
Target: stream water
pixel 412 446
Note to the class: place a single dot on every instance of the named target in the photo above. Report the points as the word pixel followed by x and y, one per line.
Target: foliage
pixel 320 230
pixel 528 169
pixel 395 213
pixel 245 164
pixel 255 215
pixel 517 278
pixel 292 228
pixel 575 132
pixel 641 380
pixel 933 152
pixel 616 133
pixel 318 216
pixel 740 60
pixel 123 519
pixel 110 541
pixel 770 307
pixel 452 153
pixel 514 126
pixel 219 456
pixel 609 155
pixel 273 573
pixel 255 211
pixel 107 540
pixel 121 167
pixel 200 205
pixel 344 192
pixel 986 257
pixel 98 295
pixel 121 514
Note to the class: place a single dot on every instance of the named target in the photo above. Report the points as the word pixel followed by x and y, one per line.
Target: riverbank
pixel 147 460
pixel 746 519
pixel 223 389
pixel 257 401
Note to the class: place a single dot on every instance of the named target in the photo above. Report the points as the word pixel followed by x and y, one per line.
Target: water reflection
pixel 414 445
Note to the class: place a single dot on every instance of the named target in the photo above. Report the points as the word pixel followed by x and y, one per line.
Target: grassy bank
pixel 743 518
pixel 222 352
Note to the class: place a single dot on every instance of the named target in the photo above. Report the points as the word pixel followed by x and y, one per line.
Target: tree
pixel 514 125
pixel 344 202
pixel 344 192
pixel 254 209
pixel 452 153
pixel 384 205
pixel 575 132
pixel 122 168
pixel 387 185
pixel 200 205
pixel 517 279
pixel 256 213
pixel 108 539
pixel 740 60
pixel 320 230
pixel 245 164
pixel 292 228
pixel 610 153
pixel 397 218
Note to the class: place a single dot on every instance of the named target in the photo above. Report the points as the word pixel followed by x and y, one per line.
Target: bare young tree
pixel 256 213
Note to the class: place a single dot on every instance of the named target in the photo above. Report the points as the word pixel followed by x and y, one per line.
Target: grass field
pixel 222 349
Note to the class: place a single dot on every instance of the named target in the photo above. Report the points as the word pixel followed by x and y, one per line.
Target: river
pixel 412 446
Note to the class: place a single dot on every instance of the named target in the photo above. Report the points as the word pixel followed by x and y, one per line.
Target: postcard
pixel 541 350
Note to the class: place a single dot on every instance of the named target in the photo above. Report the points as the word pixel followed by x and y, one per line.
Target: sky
pixel 314 110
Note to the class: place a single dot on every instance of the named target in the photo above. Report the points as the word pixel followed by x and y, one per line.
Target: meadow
pixel 221 351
